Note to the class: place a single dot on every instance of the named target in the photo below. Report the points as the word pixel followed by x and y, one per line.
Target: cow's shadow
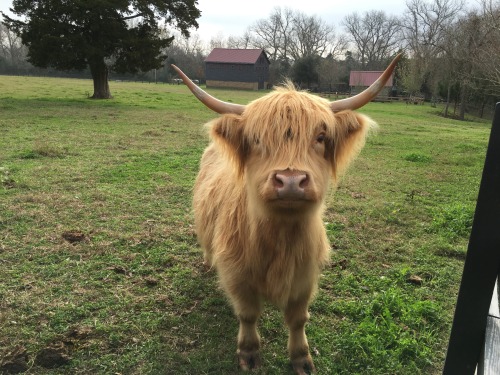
pixel 200 336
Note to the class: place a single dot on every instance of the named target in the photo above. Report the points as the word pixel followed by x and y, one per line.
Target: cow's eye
pixel 321 138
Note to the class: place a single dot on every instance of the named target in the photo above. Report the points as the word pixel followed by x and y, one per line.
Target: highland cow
pixel 259 198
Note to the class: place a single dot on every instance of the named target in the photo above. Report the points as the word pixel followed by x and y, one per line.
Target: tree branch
pixel 134 16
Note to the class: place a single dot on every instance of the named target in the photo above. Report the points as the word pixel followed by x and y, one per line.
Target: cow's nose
pixel 290 184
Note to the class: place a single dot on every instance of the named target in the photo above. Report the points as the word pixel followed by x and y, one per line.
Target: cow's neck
pixel 292 234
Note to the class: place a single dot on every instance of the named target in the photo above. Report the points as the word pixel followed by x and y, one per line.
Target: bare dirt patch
pixel 15 361
pixel 74 236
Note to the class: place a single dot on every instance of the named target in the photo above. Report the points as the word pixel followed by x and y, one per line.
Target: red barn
pixel 237 68
pixel 360 80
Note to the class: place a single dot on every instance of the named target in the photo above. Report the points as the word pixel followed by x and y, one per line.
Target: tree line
pixel 451 50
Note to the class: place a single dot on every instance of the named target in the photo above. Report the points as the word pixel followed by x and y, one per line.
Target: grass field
pixel 100 271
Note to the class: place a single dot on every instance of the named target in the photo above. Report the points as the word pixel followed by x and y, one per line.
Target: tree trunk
pixel 463 100
pixel 448 95
pixel 99 71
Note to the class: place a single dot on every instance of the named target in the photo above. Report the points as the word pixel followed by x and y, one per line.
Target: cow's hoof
pixel 248 360
pixel 303 365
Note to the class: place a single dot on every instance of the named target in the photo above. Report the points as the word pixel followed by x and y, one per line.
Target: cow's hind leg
pixel 248 306
pixel 296 317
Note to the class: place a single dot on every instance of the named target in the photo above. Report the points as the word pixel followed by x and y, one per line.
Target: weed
pixel 6 179
pixel 389 331
pixel 417 158
pixel 42 150
pixel 452 221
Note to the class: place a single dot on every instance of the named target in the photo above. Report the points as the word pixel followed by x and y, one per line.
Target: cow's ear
pixel 349 135
pixel 227 132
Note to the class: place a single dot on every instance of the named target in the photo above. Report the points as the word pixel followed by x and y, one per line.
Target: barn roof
pixel 235 56
pixel 363 78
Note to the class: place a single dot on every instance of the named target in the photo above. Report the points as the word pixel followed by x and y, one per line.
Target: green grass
pixel 132 296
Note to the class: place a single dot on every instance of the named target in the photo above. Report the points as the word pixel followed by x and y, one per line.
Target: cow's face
pixel 287 146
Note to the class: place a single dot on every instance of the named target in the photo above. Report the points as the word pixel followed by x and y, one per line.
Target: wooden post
pixel 489 363
pixel 481 268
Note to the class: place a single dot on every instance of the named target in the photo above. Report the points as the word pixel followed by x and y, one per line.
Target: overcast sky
pixel 222 16
pixel 231 18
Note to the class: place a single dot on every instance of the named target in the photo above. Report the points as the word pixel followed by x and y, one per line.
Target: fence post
pixel 481 268
pixel 489 362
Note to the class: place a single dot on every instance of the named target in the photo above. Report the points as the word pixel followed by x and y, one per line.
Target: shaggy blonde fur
pixel 263 248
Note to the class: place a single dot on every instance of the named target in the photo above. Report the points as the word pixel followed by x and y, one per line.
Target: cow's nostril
pixel 304 181
pixel 278 181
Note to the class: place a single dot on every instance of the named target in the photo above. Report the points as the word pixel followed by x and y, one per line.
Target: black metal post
pixel 481 268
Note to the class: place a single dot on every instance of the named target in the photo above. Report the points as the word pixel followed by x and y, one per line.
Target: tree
pixel 242 42
pixel 290 36
pixel 12 52
pixel 188 53
pixel 273 34
pixel 425 26
pixel 304 70
pixel 75 34
pixel 233 42
pixel 311 36
pixel 218 41
pixel 375 36
pixel 487 57
pixel 331 72
pixel 474 37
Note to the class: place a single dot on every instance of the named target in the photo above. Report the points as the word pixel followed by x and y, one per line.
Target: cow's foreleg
pixel 296 317
pixel 247 306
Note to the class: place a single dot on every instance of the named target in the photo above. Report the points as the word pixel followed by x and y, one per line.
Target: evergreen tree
pixel 118 35
pixel 305 70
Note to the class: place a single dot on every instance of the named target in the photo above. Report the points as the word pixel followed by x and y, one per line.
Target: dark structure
pixel 237 68
pixel 481 269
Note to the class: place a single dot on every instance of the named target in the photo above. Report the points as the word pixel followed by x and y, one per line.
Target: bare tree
pixel 190 45
pixel 311 36
pixel 11 48
pixel 187 52
pixel 456 49
pixel 478 42
pixel 374 35
pixel 424 24
pixel 338 46
pixel 235 42
pixel 218 41
pixel 424 28
pixel 274 34
pixel 242 42
pixel 331 72
pixel 488 56
pixel 288 36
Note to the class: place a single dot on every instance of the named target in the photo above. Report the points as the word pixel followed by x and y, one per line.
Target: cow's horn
pixel 213 103
pixel 359 100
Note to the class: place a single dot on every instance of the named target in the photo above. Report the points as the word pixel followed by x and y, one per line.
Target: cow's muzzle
pixel 290 185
